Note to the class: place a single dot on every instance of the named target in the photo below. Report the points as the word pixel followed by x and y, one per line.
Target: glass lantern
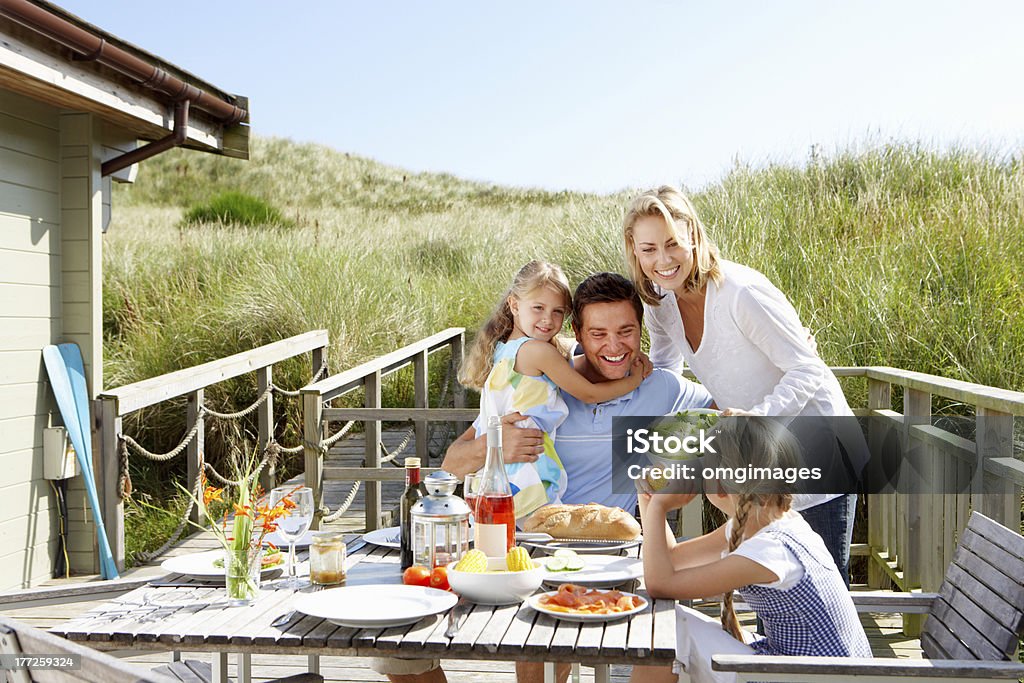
pixel 440 523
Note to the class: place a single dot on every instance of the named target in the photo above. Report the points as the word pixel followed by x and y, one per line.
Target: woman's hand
pixel 736 412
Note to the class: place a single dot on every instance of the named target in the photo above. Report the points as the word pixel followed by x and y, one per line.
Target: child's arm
pixel 540 358
pixel 692 552
pixel 663 579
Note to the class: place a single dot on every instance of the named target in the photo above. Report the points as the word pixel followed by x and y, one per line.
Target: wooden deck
pixel 884 631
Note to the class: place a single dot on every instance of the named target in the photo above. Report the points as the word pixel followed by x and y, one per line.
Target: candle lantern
pixel 440 523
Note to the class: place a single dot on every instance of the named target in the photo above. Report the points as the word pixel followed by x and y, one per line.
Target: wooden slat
pixel 514 640
pixel 1003 400
pixel 475 622
pixel 1003 557
pixel 614 642
pixel 641 632
pixel 492 634
pixel 539 638
pixel 371 474
pixel 944 616
pixel 664 645
pixel 1005 538
pixel 132 397
pixel 564 640
pixel 958 580
pixel 1008 589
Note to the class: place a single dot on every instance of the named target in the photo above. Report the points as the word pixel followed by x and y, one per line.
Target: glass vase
pixel 242 574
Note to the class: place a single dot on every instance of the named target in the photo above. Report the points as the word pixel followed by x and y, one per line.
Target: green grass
pixel 894 255
pixel 235 208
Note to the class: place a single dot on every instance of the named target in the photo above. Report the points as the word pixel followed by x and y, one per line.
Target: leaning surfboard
pixel 67 379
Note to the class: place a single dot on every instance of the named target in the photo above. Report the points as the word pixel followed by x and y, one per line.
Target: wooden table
pixel 512 633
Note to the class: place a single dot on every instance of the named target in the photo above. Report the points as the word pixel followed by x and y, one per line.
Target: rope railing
pixel 126 445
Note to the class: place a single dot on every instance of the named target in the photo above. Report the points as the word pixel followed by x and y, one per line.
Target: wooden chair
pixel 19 639
pixel 972 630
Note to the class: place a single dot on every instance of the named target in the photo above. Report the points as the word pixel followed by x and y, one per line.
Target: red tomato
pixel 416 575
pixel 439 578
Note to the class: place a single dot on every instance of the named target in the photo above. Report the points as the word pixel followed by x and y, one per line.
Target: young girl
pixel 765 552
pixel 518 366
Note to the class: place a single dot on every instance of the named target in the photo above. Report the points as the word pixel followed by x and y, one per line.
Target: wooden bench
pixel 972 630
pixel 22 640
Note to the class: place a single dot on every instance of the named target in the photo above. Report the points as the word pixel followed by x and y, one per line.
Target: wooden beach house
pixel 79 108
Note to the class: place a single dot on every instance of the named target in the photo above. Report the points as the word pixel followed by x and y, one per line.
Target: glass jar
pixel 327 558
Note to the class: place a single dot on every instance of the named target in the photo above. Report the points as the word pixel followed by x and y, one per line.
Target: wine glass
pixel 295 523
pixel 470 489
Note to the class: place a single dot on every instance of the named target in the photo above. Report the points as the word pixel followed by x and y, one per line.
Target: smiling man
pixel 607 318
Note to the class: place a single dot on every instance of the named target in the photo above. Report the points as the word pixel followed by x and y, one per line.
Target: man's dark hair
pixel 603 288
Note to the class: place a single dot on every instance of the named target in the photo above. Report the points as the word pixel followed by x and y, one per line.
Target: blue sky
pixel 596 95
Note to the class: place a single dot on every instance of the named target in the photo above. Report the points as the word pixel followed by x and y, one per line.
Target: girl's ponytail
pixel 729 621
pixel 477 366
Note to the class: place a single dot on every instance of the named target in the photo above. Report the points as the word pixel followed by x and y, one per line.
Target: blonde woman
pixel 739 335
pixel 517 364
pixel 765 552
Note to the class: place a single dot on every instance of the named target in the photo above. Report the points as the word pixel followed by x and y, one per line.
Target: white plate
pixel 599 571
pixel 202 564
pixel 389 537
pixel 275 538
pixel 534 602
pixel 581 548
pixel 375 606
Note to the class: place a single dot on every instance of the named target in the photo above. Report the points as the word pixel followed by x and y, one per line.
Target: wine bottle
pixel 495 529
pixel 414 490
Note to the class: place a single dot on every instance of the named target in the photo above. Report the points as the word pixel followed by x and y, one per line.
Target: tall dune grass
pixel 897 255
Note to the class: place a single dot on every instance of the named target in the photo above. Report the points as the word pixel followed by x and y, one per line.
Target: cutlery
pixel 455 618
pixel 283 619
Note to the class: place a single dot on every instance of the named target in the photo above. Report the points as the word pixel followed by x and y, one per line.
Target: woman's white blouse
pixel 754 354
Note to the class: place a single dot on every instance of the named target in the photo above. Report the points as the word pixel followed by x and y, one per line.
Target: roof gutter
pixel 96 48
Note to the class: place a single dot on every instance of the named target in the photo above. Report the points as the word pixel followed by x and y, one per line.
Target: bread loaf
pixel 591 521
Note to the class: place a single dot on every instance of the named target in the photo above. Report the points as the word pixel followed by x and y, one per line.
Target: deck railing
pixel 368 376
pixel 114 404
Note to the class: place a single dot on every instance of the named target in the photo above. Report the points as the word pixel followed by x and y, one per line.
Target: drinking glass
pixel 294 524
pixel 470 489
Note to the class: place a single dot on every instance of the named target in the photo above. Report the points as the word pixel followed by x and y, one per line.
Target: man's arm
pixel 468 452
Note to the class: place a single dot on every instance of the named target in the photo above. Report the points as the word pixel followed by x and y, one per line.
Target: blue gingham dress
pixel 815 617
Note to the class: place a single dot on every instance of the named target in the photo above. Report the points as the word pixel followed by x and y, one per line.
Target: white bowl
pixel 496 588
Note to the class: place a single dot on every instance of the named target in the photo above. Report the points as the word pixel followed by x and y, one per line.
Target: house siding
pixel 30 318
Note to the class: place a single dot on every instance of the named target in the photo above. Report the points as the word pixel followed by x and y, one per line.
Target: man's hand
pixel 736 412
pixel 520 444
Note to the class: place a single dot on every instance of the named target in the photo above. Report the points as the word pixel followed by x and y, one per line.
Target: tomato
pixel 416 575
pixel 439 578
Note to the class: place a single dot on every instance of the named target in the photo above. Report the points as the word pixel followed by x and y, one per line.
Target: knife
pixel 455 618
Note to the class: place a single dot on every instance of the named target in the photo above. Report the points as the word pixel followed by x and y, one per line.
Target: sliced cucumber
pixel 574 564
pixel 566 553
pixel 556 564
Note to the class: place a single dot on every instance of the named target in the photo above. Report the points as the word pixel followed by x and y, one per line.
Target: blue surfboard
pixel 67 379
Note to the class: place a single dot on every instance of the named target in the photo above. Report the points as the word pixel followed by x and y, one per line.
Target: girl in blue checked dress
pixel 518 365
pixel 765 552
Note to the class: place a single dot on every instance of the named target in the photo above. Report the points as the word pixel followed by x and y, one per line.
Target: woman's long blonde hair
pixel 680 216
pixel 761 442
pixel 532 276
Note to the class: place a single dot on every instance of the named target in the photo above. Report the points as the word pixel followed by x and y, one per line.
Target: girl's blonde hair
pixel 679 214
pixel 531 277
pixel 761 442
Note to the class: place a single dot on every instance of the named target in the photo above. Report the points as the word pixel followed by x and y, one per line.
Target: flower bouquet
pixel 246 553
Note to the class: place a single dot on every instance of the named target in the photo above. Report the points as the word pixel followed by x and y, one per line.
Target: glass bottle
pixel 414 490
pixel 495 529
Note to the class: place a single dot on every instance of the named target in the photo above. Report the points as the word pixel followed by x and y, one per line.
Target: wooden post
pixel 421 399
pixel 312 435
pixel 371 386
pixel 999 498
pixel 879 398
pixel 113 506
pixel 917 525
pixel 265 423
pixel 459 395
pixel 195 449
pixel 319 355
